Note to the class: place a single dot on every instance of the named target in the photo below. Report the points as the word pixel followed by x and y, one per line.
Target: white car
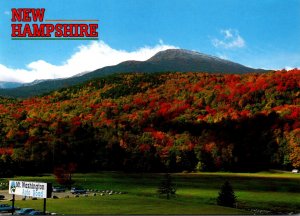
pixel 77 191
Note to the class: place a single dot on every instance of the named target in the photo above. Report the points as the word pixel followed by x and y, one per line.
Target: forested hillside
pixel 153 122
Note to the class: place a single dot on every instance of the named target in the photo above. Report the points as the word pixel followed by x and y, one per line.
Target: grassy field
pixel 196 194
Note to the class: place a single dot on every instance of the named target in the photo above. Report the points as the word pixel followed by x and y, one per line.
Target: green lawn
pixel 196 194
pixel 126 204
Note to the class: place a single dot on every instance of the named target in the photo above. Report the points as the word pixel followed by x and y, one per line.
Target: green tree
pixel 166 187
pixel 226 195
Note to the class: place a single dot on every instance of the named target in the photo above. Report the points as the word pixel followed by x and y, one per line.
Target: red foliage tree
pixel 63 174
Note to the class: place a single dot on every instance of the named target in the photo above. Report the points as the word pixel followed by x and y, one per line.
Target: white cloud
pixel 87 58
pixel 231 39
pixel 288 68
pixel 227 33
pixel 223 56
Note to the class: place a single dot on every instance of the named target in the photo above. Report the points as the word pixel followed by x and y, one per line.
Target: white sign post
pixel 30 189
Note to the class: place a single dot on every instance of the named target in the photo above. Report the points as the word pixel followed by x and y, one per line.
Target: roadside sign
pixel 30 189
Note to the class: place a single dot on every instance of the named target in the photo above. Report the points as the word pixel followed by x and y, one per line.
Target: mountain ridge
pixel 170 60
pixel 7 84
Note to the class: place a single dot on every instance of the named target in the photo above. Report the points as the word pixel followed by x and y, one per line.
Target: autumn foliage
pixel 153 122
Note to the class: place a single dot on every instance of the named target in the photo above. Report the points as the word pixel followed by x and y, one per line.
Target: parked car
pixel 75 190
pixel 2 197
pixel 6 208
pixel 295 171
pixel 36 213
pixel 24 211
pixel 58 189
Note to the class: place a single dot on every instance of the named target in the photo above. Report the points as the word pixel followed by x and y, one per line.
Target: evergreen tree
pixel 166 187
pixel 226 195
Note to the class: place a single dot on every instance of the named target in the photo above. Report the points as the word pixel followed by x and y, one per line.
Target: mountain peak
pixel 178 52
pixel 173 53
pixel 183 54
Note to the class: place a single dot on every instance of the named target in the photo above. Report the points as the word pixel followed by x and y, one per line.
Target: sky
pixel 255 33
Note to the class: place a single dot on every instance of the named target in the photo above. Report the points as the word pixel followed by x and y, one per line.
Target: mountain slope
pixel 172 60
